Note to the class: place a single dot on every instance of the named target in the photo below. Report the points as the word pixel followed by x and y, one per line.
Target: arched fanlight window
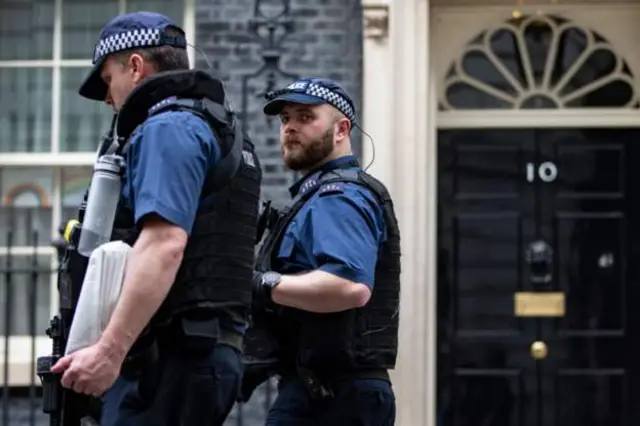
pixel 538 62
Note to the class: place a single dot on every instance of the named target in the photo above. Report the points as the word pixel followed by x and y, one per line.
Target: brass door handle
pixel 539 350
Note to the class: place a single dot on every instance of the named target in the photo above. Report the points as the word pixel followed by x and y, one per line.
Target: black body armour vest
pixel 217 266
pixel 357 339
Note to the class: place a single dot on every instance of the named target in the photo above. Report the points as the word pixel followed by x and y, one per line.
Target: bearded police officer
pixel 329 270
pixel 170 353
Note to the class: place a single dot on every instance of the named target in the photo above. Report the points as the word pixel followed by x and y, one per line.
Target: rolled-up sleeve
pixel 342 232
pixel 168 161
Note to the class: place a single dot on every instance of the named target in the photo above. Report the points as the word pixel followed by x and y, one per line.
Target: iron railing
pixel 20 275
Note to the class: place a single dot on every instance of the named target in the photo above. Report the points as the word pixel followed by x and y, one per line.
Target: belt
pixel 336 376
pixel 381 374
pixel 205 329
pixel 148 351
pixel 333 377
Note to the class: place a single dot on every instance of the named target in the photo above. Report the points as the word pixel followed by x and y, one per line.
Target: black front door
pixel 525 213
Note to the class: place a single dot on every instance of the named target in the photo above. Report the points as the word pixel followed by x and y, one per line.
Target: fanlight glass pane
pixel 539 62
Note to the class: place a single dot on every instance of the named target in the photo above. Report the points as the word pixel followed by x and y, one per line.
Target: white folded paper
pixel 88 421
pixel 99 294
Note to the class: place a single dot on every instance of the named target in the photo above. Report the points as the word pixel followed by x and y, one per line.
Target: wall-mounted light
pixel 375 21
pixel 517 14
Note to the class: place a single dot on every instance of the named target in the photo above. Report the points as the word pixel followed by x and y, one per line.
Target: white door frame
pixel 400 86
pixel 399 111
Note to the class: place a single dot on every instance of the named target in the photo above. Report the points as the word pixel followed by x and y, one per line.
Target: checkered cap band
pixel 332 98
pixel 126 40
pixel 335 99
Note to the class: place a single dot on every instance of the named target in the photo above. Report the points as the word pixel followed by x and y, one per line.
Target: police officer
pixel 329 269
pixel 170 353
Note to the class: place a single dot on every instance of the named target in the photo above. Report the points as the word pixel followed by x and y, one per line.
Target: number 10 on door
pixel 547 172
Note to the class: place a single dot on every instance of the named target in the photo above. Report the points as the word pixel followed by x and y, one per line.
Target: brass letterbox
pixel 539 304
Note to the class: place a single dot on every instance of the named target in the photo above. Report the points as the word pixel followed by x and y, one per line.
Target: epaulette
pixel 331 188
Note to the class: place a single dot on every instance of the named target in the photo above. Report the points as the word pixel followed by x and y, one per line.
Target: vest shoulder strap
pixel 224 126
pixel 327 182
pixel 330 182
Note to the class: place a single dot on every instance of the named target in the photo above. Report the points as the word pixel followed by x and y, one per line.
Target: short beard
pixel 312 155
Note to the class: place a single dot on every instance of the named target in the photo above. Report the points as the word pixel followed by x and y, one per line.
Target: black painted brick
pixel 326 41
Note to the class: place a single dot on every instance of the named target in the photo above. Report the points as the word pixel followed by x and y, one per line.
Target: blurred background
pixel 506 131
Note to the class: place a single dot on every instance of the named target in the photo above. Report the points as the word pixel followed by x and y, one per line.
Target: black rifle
pixel 260 346
pixel 65 407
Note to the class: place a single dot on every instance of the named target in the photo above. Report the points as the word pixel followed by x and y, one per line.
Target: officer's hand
pixel 90 371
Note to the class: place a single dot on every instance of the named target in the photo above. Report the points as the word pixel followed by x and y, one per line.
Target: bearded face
pixel 301 154
pixel 307 135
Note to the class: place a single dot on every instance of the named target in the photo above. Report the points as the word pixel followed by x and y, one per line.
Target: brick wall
pixel 323 38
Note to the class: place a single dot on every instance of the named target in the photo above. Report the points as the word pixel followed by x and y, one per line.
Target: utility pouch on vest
pixel 200 334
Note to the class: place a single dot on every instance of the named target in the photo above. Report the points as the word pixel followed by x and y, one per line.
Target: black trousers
pixel 357 402
pixel 180 388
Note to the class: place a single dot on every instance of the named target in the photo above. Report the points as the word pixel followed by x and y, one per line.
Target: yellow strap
pixel 69 228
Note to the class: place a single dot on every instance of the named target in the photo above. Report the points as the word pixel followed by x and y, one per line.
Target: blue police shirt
pixel 166 166
pixel 339 230
pixel 167 162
